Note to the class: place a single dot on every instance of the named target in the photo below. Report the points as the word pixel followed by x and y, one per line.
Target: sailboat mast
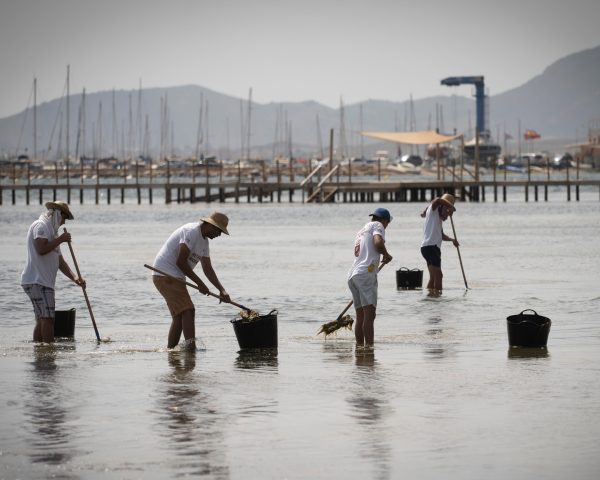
pixel 362 143
pixel 83 123
pixel 320 139
pixel 67 138
pixel 206 126
pixel 114 135
pixel 199 137
pixel 249 121
pixel 34 118
pixel 139 118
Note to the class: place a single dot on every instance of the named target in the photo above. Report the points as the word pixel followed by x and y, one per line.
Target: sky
pixel 286 51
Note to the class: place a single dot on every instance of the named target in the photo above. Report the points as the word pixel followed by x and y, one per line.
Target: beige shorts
pixel 364 289
pixel 175 293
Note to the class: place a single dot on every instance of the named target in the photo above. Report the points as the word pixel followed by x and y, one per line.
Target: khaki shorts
pixel 175 293
pixel 364 289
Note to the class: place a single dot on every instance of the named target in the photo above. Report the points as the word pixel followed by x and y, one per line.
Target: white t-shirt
pixel 366 256
pixel 189 234
pixel 432 231
pixel 40 269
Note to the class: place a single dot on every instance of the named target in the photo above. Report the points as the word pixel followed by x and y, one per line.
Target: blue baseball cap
pixel 382 213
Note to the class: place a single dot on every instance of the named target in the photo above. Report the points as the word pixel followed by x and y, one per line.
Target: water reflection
pixel 338 351
pixel 44 408
pixel 434 349
pixel 524 352
pixel 257 358
pixel 369 407
pixel 189 420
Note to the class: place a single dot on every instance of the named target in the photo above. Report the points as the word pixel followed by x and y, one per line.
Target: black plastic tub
pixel 260 332
pixel 528 329
pixel 409 279
pixel 64 323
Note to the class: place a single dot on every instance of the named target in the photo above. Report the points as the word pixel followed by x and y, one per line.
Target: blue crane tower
pixel 487 150
pixel 476 80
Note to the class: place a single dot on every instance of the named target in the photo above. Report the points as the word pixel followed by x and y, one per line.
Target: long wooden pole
pixel 459 257
pixel 194 286
pixel 84 291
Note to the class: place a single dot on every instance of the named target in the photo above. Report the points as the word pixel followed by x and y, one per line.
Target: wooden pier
pixel 422 190
pixel 322 182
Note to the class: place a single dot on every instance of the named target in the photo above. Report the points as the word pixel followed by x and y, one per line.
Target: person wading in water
pixel 182 251
pixel 437 212
pixel 44 259
pixel 369 245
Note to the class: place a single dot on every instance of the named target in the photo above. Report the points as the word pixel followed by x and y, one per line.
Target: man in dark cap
pixel 369 252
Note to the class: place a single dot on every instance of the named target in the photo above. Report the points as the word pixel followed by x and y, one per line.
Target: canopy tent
pixel 426 137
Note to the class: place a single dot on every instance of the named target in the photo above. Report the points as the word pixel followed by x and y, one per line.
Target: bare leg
pixel 44 330
pixel 431 277
pixel 437 278
pixel 368 327
pixel 189 328
pixel 358 327
pixel 182 322
pixel 175 331
pixel 37 330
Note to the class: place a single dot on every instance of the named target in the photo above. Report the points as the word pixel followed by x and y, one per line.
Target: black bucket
pixel 64 323
pixel 409 279
pixel 260 332
pixel 528 330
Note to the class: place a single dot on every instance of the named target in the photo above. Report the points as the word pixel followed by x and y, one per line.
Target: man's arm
pixel 212 277
pixel 184 266
pixel 379 243
pixel 446 238
pixel 43 246
pixel 67 272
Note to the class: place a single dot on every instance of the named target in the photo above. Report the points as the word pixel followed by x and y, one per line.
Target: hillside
pixel 557 103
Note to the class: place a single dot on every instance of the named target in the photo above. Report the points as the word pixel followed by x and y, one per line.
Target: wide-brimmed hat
pixel 449 200
pixel 219 220
pixel 382 213
pixel 62 206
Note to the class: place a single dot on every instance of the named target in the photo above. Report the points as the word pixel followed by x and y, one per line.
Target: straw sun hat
pixel 62 206
pixel 448 199
pixel 219 220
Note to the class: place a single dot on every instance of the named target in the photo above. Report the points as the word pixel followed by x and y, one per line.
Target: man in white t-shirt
pixel 437 212
pixel 43 262
pixel 182 251
pixel 369 245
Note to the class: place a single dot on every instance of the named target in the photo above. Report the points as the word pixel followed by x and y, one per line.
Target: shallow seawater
pixel 441 395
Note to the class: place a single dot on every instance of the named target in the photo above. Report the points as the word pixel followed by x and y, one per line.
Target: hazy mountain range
pixel 559 104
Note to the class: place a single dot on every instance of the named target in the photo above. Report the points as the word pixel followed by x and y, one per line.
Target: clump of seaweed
pixel 328 328
pixel 249 315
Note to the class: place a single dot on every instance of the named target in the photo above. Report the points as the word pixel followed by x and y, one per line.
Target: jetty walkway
pixel 322 184
pixel 421 190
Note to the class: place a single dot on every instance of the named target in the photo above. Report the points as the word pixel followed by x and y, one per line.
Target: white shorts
pixel 364 289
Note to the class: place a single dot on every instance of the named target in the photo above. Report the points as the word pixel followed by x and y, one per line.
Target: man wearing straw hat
pixel 178 257
pixel 44 259
pixel 437 212
pixel 369 245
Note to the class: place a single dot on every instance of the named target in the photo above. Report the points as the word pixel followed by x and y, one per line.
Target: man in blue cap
pixel 369 245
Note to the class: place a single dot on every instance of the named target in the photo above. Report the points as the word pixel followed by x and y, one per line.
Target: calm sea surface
pixel 441 397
